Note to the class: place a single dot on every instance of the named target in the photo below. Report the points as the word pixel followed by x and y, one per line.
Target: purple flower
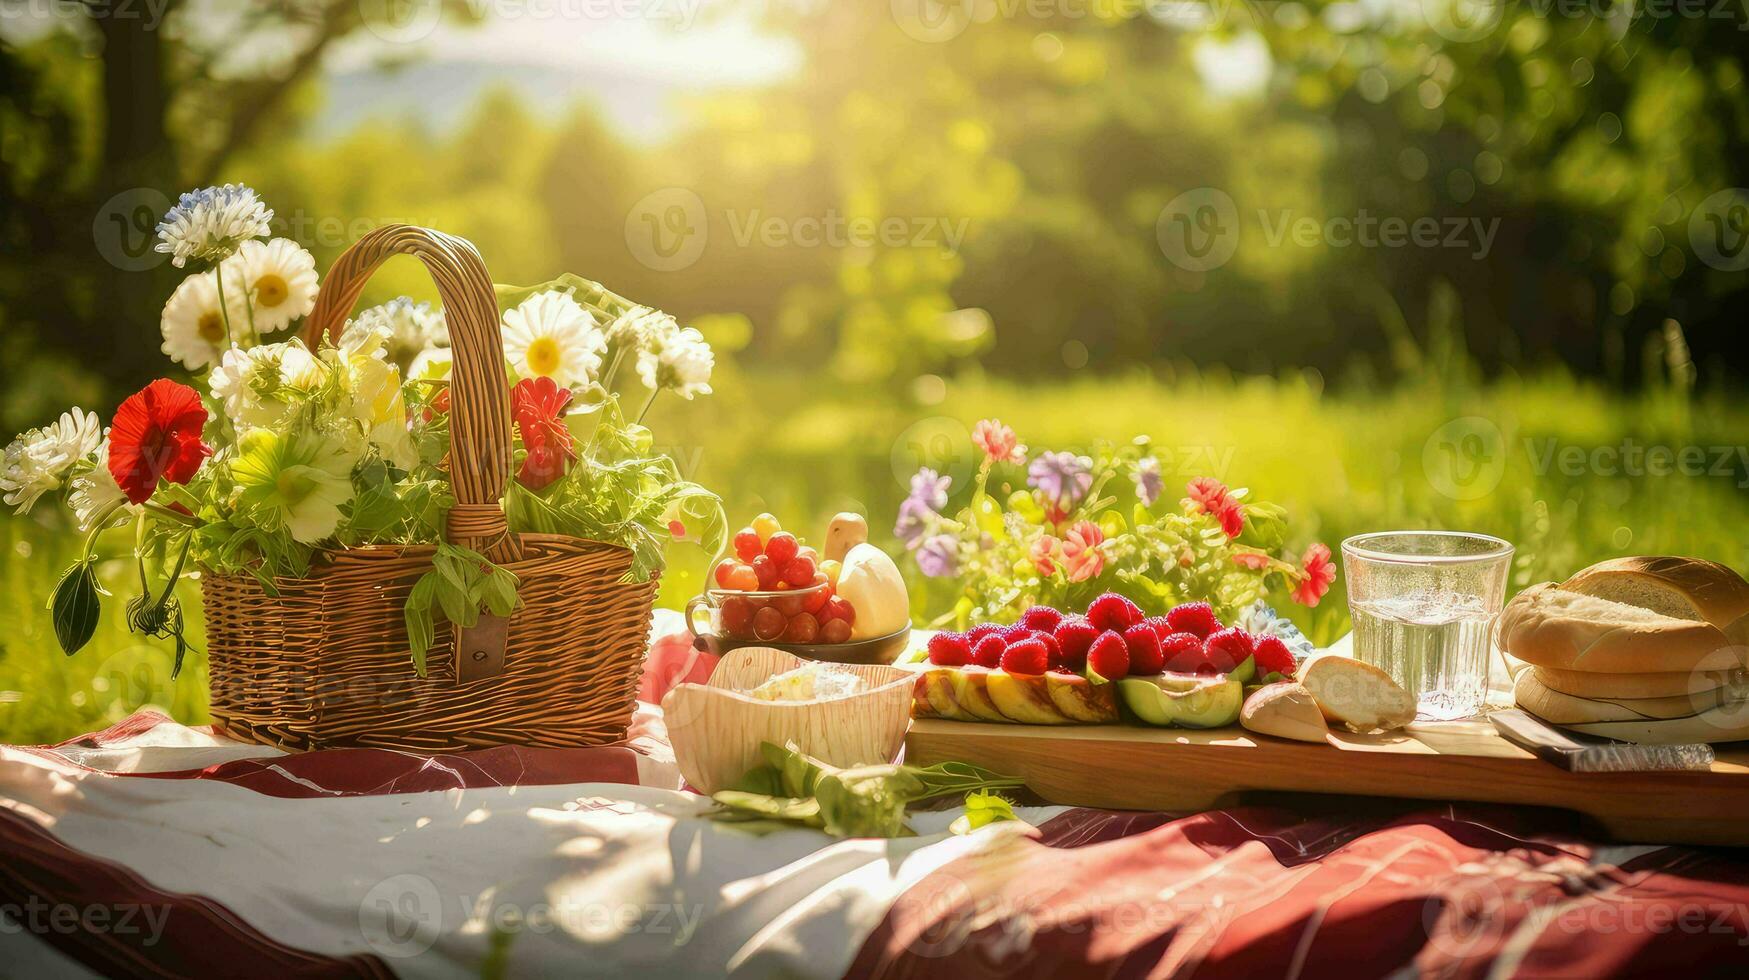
pixel 913 520
pixel 939 556
pixel 1064 478
pixel 1149 483
pixel 930 488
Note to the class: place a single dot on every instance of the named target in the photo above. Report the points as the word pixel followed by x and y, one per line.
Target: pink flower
pixel 1082 558
pixel 1208 495
pixel 1319 572
pixel 1254 560
pixel 998 442
pixel 1044 554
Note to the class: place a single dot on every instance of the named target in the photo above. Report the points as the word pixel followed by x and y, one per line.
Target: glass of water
pixel 1424 605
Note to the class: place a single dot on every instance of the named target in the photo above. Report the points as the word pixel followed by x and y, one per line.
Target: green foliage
pixel 461 584
pixel 795 789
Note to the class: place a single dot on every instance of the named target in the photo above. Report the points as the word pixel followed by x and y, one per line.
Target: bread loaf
pixel 1662 684
pixel 1550 625
pixel 1680 588
pixel 1564 709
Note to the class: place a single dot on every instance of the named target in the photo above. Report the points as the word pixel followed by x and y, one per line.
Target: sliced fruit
pixel 1082 700
pixel 1183 700
pixel 971 692
pixel 1023 698
pixel 1245 672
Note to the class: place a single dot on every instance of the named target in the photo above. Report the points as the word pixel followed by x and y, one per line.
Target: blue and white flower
pixel 211 223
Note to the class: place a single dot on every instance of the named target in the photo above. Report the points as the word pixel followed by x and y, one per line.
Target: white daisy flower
pixel 678 359
pixel 37 461
pixel 550 335
pixel 95 490
pixel 193 324
pixel 408 329
pixel 277 277
pixel 261 385
pixel 211 222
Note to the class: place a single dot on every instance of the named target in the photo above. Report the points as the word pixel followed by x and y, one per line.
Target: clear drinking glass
pixel 1424 605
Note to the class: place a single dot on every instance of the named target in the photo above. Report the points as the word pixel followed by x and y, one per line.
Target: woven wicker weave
pixel 326 662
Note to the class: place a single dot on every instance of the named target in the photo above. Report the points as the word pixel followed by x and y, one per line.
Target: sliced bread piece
pixel 1356 694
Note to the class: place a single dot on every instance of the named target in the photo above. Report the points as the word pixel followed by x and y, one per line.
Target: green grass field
pixel 1568 471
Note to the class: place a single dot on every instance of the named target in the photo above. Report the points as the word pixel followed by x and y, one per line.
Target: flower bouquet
pixel 1049 529
pixel 344 491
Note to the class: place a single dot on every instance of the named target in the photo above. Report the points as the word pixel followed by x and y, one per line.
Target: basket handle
pixel 480 434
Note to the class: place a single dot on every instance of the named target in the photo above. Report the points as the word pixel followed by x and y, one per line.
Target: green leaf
pixel 421 628
pixel 75 606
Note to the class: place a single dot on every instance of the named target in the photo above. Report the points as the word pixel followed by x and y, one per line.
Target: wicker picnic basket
pixel 325 662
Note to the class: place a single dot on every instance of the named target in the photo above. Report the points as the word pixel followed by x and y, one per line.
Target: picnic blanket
pixel 157 849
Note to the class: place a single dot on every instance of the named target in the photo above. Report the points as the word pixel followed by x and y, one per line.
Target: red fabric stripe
pixel 1267 892
pixel 40 876
pixel 133 726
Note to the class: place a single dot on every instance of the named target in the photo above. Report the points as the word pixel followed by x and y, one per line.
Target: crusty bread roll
pixel 1564 709
pixel 1663 684
pixel 1551 626
pixel 1285 710
pixel 1356 694
pixel 1681 588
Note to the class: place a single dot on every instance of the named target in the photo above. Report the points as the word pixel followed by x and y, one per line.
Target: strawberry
pixel 1113 612
pixel 1182 653
pixel 1144 647
pixel 1042 619
pixel 987 652
pixel 1109 657
pixel 1229 648
pixel 1026 656
pixel 1160 626
pixel 1055 651
pixel 1273 657
pixel 1194 617
pixel 1074 636
pixel 949 650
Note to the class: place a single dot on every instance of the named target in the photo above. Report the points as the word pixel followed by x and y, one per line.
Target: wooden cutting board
pixel 1134 768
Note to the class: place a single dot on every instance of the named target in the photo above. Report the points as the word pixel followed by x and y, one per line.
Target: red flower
pixel 1319 573
pixel 998 441
pixel 1232 518
pixel 538 405
pixel 1207 494
pixel 1043 554
pixel 156 436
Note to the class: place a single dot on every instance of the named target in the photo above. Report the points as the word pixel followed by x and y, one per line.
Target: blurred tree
pixel 106 110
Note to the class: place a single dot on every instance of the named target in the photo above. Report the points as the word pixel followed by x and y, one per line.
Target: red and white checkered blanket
pixel 156 849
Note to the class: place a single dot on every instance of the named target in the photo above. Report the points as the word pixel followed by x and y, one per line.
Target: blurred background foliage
pixel 1028 150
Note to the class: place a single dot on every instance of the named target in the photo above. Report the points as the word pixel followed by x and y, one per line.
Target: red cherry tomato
pixel 839 607
pixel 799 569
pixel 766 571
pixel 802 628
pixel 742 578
pixel 769 624
pixel 816 598
pixel 723 569
pixel 791 604
pixel 747 546
pixel 781 548
pixel 736 617
pixel 809 552
pixel 834 631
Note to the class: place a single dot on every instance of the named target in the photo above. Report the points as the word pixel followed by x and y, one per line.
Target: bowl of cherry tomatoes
pixel 777 592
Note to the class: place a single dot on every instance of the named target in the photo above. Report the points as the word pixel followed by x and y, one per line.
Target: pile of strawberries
pixel 1113 639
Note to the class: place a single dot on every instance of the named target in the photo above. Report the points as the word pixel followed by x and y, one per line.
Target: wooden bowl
pixel 716 728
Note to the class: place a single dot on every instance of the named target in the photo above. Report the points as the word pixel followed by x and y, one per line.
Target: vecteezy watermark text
pixel 40 917
pixel 1630 458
